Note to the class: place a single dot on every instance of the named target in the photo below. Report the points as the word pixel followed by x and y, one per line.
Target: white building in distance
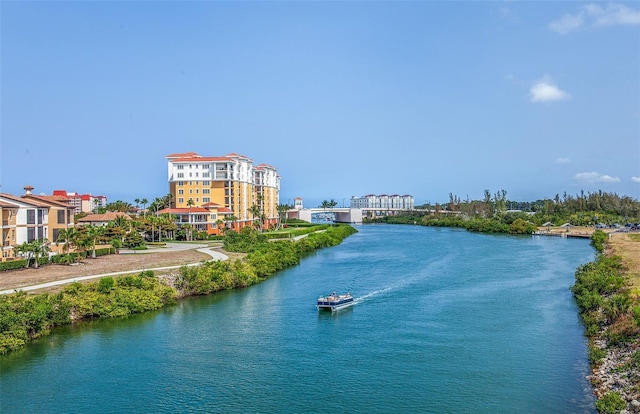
pixel 383 201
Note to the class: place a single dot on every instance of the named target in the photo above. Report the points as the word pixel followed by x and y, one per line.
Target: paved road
pixel 202 248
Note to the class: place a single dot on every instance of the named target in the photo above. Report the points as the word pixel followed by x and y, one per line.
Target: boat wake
pixel 374 293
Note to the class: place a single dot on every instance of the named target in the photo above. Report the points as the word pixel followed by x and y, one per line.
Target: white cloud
pixel 595 15
pixel 596 177
pixel 635 179
pixel 562 161
pixel 567 23
pixel 545 91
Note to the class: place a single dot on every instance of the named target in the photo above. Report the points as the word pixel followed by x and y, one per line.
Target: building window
pixel 212 217
pixel 31 217
pixel 197 199
pixel 180 183
pixel 190 175
pixel 180 166
pixel 205 191
pixel 197 191
pixel 180 175
pixel 56 234
pixel 205 199
pixel 205 183
pixel 60 216
pixel 180 191
pixel 196 174
pixel 190 191
pixel 206 174
pixel 181 200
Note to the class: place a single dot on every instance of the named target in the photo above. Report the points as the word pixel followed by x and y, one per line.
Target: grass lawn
pixel 627 246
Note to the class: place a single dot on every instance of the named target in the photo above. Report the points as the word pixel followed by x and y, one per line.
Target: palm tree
pixel 144 202
pixel 66 235
pixel 93 232
pixel 231 219
pixel 137 201
pixel 190 204
pixel 39 248
pixel 26 250
pixel 119 205
pixel 168 225
pixel 220 226
pixel 156 204
pixel 167 200
pixel 282 210
pixel 255 212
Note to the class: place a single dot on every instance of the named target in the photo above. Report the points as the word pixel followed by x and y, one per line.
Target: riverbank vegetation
pixel 610 309
pixel 498 214
pixel 26 317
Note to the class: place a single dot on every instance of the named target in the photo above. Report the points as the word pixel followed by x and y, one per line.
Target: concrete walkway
pixel 170 247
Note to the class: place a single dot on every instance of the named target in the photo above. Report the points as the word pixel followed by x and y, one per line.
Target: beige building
pixel 227 187
pixel 31 217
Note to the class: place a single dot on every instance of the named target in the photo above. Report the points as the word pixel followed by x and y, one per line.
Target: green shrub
pixel 598 240
pixel 596 354
pixel 13 265
pixel 105 284
pixel 611 403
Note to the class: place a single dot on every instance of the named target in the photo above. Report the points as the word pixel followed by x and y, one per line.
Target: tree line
pixel 563 205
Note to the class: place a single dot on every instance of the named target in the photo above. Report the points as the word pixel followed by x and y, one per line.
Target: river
pixel 447 321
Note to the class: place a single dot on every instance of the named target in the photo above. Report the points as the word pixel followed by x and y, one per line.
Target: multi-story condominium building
pixel 83 203
pixel 383 202
pixel 209 190
pixel 31 217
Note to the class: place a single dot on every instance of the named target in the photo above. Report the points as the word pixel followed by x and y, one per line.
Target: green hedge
pixel 13 265
pixel 22 263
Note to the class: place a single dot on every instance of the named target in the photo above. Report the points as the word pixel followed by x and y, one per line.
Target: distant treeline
pixel 564 205
pixel 517 223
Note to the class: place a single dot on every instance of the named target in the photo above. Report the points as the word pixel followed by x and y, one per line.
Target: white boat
pixel 334 302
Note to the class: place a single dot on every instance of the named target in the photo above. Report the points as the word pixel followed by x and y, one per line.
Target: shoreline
pixel 617 371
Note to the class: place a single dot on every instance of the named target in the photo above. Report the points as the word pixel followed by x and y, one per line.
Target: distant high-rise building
pixel 223 188
pixel 383 201
pixel 83 203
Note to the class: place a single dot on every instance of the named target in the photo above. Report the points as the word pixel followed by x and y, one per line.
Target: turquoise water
pixel 447 322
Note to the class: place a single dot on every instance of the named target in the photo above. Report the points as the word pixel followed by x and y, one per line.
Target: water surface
pixel 447 322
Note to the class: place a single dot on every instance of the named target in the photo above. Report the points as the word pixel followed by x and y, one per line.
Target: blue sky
pixel 344 98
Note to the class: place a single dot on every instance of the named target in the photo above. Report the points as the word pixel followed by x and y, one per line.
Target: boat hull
pixel 334 308
pixel 335 302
